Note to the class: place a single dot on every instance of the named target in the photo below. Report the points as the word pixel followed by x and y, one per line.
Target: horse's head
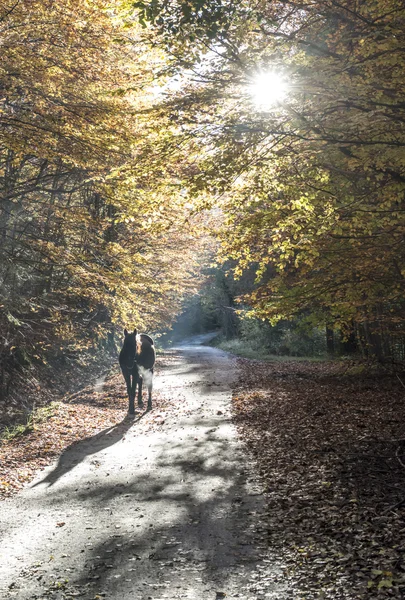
pixel 132 341
pixel 130 335
pixel 129 345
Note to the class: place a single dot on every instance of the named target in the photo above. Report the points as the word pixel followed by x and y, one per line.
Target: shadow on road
pixel 78 451
pixel 203 524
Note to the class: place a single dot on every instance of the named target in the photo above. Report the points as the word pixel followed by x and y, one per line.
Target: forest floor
pixel 308 502
pixel 330 450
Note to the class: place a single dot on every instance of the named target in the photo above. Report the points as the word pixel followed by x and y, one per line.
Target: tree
pixel 312 187
pixel 86 244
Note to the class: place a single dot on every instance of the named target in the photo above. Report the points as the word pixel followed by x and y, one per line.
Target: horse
pixel 137 359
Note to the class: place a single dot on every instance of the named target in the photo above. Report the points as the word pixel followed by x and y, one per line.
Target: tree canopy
pixel 88 244
pixel 311 188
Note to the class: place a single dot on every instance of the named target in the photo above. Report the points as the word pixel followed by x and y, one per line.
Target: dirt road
pixel 171 514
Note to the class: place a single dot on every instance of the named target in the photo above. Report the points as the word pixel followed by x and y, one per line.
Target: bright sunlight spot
pixel 267 89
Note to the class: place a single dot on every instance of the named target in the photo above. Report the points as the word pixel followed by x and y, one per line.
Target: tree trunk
pixel 330 341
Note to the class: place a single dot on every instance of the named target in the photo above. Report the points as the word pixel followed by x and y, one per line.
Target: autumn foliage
pixel 85 244
pixel 312 187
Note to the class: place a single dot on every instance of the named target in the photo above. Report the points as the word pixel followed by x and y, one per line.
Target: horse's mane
pixel 138 343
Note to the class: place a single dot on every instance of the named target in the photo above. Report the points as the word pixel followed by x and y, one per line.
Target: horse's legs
pixel 150 396
pixel 149 383
pixel 135 381
pixel 131 393
pixel 140 403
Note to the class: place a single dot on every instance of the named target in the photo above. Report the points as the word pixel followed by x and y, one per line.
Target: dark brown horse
pixel 137 359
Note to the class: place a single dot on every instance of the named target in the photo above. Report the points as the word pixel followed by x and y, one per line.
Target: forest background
pixel 139 182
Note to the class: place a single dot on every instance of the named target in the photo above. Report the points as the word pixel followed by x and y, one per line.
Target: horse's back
pixel 147 338
pixel 146 358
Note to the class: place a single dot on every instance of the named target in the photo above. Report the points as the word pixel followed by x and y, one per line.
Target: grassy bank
pixel 246 349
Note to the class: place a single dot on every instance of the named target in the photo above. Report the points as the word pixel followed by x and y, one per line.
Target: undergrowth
pixel 38 415
pixel 244 349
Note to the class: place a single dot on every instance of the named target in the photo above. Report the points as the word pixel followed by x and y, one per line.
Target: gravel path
pixel 168 514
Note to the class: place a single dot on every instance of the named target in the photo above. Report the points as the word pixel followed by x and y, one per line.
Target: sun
pixel 268 89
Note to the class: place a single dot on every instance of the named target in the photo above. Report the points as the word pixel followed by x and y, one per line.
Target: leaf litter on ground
pixel 330 451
